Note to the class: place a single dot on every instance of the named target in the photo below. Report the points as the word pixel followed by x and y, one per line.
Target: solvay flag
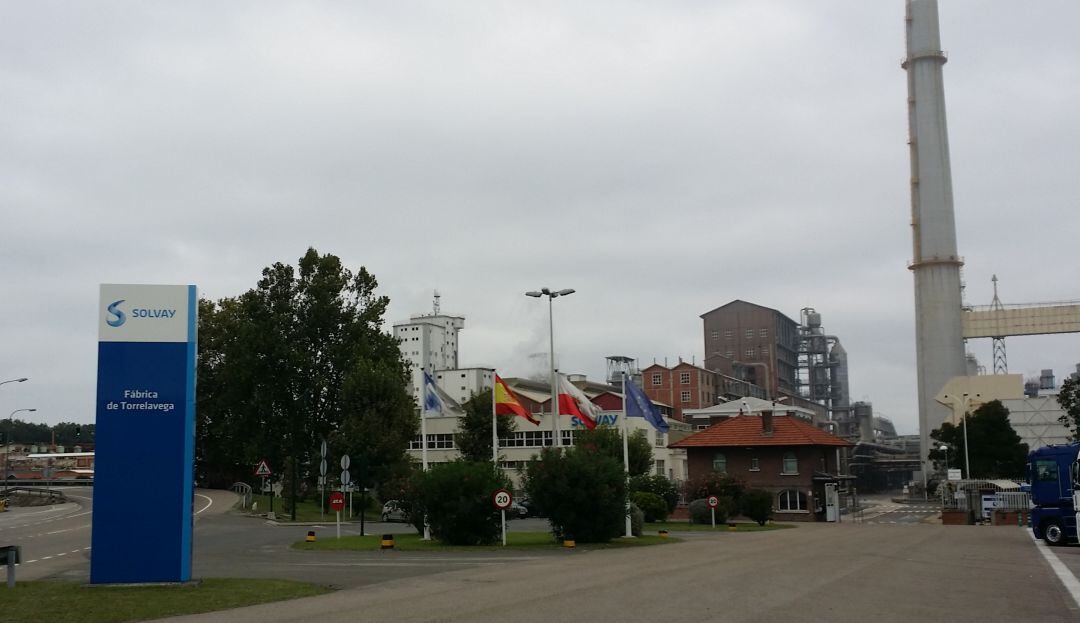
pixel 639 405
pixel 436 402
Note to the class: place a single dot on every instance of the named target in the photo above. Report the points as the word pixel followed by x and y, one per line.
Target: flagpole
pixel 626 460
pixel 494 425
pixel 423 444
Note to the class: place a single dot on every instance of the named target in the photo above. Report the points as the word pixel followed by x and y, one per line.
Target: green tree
pixel 608 440
pixel 757 504
pixel 659 485
pixel 299 358
pixel 995 449
pixel 1069 399
pixel 713 483
pixel 474 428
pixel 582 491
pixel 456 499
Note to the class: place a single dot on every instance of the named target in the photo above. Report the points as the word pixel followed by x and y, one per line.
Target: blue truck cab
pixel 1053 474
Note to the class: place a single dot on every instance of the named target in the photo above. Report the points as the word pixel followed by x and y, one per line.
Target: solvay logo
pixel 121 317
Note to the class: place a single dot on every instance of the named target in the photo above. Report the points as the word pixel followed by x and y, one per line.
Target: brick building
pixel 787 456
pixel 684 386
pixel 755 343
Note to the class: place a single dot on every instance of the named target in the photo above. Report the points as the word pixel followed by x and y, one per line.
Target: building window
pixel 657 379
pixel 791 500
pixel 659 467
pixel 755 465
pixel 791 464
pixel 729 354
pixel 685 396
pixel 684 378
pixel 727 333
pixel 749 333
pixel 415 444
pixel 440 441
pixel 527 439
pixel 701 427
pixel 719 463
pixel 749 352
pixel 764 351
pixel 715 335
pixel 763 333
pixel 661 441
pixel 567 437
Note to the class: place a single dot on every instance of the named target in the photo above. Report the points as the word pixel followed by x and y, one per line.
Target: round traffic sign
pixel 346 477
pixel 502 499
pixel 337 500
pixel 713 501
pixel 345 461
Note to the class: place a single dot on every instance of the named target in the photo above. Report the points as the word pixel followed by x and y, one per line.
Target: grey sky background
pixel 663 158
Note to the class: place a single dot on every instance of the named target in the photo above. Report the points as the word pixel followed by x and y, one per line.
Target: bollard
pixel 663 534
pixel 310 536
pixel 387 542
pixel 569 543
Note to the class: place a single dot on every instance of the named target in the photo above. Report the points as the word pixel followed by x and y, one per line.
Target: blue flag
pixel 432 402
pixel 638 405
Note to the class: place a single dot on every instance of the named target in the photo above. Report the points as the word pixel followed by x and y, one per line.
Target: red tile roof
pixel 745 430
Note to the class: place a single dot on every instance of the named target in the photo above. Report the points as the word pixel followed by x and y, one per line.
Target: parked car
pixel 394 510
pixel 517 511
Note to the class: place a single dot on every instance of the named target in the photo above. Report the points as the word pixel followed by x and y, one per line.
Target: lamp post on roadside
pixel 964 401
pixel 11 427
pixel 552 294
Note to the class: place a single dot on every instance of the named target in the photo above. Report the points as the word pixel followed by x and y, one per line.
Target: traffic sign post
pixel 337 502
pixel 502 500
pixel 713 502
pixel 263 469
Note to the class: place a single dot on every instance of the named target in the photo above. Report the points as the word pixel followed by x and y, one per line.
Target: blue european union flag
pixel 637 404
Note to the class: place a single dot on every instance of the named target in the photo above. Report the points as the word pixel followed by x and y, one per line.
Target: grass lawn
pixel 685 526
pixel 514 540
pixel 308 511
pixel 68 602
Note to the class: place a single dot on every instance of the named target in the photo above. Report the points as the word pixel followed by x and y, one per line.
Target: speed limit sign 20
pixel 713 501
pixel 502 499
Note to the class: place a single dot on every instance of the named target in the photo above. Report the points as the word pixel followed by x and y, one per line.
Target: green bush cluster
pixel 455 498
pixel 701 513
pixel 652 506
pixel 659 485
pixel 757 504
pixel 713 483
pixel 582 490
pixel 637 520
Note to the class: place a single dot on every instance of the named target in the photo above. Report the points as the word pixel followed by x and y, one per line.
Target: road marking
pixel 1063 573
pixel 209 502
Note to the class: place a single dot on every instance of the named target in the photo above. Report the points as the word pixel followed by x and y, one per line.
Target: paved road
pixel 53 538
pixel 813 573
pixel 889 512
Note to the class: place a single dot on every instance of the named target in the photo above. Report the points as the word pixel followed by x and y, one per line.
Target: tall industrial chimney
pixel 939 344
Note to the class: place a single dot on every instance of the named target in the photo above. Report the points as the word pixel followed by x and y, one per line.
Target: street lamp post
pixel 11 427
pixel 944 448
pixel 22 380
pixel 552 294
pixel 965 404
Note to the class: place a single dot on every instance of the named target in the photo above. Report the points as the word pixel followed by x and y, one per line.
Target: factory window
pixel 755 465
pixel 684 396
pixel 750 352
pixel 715 335
pixel 791 464
pixel 727 333
pixel 656 379
pixel 764 351
pixel 791 500
pixel 567 437
pixel 749 333
pixel 440 441
pixel 414 443
pixel 729 354
pixel 684 378
pixel 763 333
pixel 719 463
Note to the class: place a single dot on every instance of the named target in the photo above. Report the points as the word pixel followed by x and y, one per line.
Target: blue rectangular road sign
pixel 145 435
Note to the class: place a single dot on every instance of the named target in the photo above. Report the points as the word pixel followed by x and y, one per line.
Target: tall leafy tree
pixel 994 447
pixel 299 358
pixel 474 428
pixel 1069 399
pixel 608 440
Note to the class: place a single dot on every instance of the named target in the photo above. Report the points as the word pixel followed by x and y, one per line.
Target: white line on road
pixel 1063 573
pixel 209 502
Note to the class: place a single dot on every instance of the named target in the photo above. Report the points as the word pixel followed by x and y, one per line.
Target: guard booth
pixel 832 502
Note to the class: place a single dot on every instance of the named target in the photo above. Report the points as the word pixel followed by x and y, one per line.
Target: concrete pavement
pixel 814 572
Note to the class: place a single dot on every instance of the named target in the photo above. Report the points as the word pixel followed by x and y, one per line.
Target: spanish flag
pixel 506 403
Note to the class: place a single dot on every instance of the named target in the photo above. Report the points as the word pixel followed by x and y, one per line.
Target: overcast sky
pixel 662 158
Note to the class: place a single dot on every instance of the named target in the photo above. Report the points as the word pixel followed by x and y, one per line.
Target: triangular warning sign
pixel 262 469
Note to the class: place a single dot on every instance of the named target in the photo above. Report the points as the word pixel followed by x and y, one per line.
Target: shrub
pixel 655 483
pixel 637 520
pixel 582 490
pixel 757 505
pixel 713 483
pixel 456 499
pixel 701 513
pixel 652 506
